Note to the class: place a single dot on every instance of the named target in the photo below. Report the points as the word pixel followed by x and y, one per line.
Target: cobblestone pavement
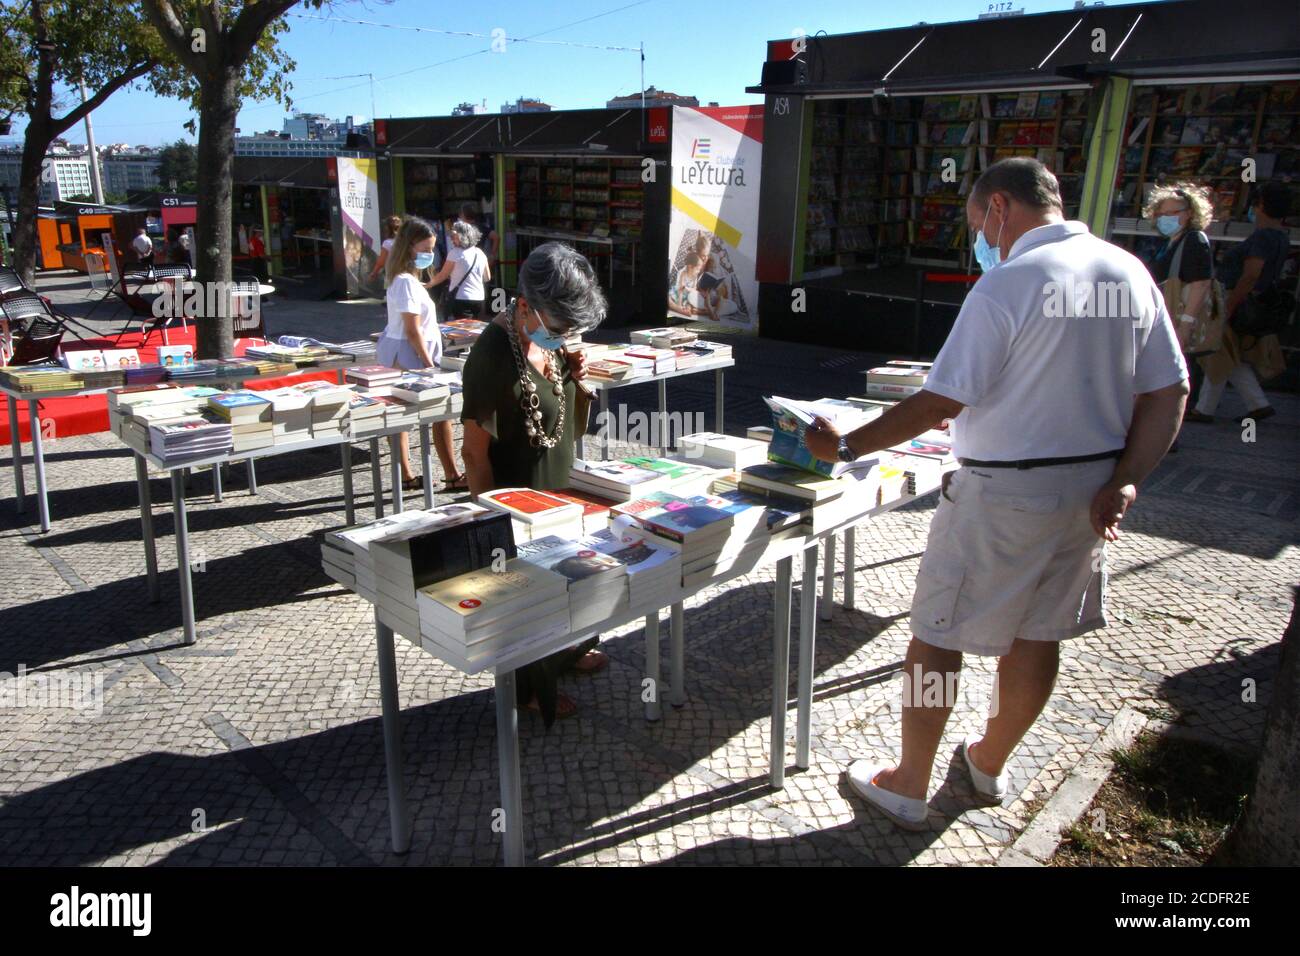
pixel 262 743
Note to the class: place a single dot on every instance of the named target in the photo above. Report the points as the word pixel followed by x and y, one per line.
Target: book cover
pixel 121 358
pixel 527 504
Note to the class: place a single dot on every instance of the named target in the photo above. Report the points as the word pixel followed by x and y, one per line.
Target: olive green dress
pixel 491 399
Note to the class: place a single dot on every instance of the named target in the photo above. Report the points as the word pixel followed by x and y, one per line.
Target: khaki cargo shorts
pixel 1011 554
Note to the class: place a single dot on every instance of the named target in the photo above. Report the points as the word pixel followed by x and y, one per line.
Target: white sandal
pixel 991 790
pixel 906 812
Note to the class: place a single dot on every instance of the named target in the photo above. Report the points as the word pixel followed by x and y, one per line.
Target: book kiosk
pixel 874 140
pixel 568 175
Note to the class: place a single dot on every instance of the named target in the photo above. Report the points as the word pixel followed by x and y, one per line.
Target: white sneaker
pixel 992 790
pixel 907 812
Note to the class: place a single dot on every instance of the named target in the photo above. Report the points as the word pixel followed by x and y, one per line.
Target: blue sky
pixel 712 51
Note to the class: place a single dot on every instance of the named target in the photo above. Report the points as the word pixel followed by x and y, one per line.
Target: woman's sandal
pixel 565 706
pixel 456 483
pixel 591 662
pixel 413 484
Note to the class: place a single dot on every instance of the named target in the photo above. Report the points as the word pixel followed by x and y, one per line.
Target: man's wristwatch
pixel 845 452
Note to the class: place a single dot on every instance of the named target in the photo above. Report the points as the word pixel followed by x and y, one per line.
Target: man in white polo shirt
pixel 1065 386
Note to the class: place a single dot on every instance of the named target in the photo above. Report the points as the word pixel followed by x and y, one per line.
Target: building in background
pixel 307 135
pixel 526 104
pixel 126 169
pixel 63 175
pixel 470 109
pixel 653 97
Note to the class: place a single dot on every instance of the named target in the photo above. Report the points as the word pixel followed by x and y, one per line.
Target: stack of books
pixel 329 407
pixel 678 474
pixel 430 394
pixel 896 380
pixel 345 552
pixel 249 416
pixel 684 359
pixel 442 543
pixel 175 356
pixel 44 378
pixel 721 451
pixel 597 582
pixel 699 531
pixel 461 333
pixel 227 370
pixel 761 433
pixel 261 367
pixel 595 509
pixel 654 568
pixel 827 501
pixel 293 355
pixel 664 338
pixel 397 413
pixel 365 416
pixel 659 360
pixel 135 425
pixel 608 369
pixel 754 525
pixel 486 618
pixel 372 377
pixel 707 351
pixel 122 399
pixel 923 459
pixel 615 480
pixel 536 514
pixel 359 350
pixel 188 439
pixel 290 414
pixel 145 374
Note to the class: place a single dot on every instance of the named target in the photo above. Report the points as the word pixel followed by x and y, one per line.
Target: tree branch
pixel 76 115
pixel 253 19
pixel 162 14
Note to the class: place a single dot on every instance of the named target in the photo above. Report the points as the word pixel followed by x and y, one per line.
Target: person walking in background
pixel 488 241
pixel 411 340
pixel 142 246
pixel 466 273
pixel 1058 415
pixel 1252 266
pixel 522 411
pixel 391 225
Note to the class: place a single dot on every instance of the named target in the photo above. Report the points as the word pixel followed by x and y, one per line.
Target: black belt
pixel 1040 462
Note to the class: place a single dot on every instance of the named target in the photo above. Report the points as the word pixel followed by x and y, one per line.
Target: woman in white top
pixel 466 272
pixel 391 225
pixel 412 340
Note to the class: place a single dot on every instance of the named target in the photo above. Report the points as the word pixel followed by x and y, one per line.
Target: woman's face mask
pixel 423 260
pixel 541 336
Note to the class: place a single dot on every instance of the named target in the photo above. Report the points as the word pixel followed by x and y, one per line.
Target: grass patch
pixel 1168 802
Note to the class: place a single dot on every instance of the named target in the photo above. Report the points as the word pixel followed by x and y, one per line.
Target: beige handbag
pixel 1207 332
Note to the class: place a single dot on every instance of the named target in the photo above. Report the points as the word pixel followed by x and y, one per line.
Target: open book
pixel 790 421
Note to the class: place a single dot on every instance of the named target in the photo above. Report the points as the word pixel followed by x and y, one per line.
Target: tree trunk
pixel 35 143
pixel 216 169
pixel 1269 831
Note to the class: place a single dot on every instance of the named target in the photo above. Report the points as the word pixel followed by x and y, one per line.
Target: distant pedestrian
pixel 142 246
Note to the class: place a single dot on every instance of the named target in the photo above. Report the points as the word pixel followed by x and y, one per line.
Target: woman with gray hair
pixel 466 272
pixel 521 390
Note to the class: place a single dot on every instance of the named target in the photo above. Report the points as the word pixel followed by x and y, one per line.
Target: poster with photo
pixel 713 235
pixel 358 181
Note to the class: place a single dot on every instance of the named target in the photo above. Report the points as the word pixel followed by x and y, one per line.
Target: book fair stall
pixel 884 132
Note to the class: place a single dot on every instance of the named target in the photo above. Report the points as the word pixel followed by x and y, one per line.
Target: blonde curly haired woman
pixel 1181 212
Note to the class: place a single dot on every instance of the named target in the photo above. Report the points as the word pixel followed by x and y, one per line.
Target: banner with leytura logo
pixel 359 209
pixel 713 237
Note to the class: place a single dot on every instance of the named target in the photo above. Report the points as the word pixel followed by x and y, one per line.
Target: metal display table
pixel 781 552
pixel 37 425
pixel 604 386
pixel 178 471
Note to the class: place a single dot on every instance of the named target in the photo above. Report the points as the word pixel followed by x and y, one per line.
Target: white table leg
pixel 718 404
pixel 850 565
pixel 376 478
pixel 677 656
pixel 807 654
pixel 398 820
pixel 216 482
pixel 653 710
pixel 828 579
pixel 780 670
pixel 349 507
pixel 512 804
pixel 662 422
pixel 605 424
pixel 426 463
pixel 183 554
pixel 16 449
pixel 252 476
pixel 38 460
pixel 146 528
pixel 395 473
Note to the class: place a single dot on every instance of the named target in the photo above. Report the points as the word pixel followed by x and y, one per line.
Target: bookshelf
pixel 578 196
pixel 1202 133
pixel 888 177
pixel 436 188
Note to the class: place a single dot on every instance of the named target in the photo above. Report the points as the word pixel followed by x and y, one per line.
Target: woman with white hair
pixel 521 415
pixel 466 272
